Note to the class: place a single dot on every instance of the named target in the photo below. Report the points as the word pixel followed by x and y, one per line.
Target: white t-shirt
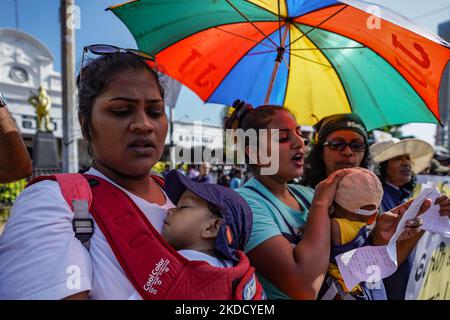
pixel 194 255
pixel 40 258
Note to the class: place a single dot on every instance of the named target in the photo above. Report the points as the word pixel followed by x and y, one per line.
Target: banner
pixel 442 184
pixel 430 275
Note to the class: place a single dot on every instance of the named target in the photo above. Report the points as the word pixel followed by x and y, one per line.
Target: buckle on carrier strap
pixel 82 224
pixel 83 227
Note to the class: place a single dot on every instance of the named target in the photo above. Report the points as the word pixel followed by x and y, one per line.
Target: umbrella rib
pixel 261 52
pixel 285 61
pixel 341 80
pixel 335 48
pixel 287 78
pixel 246 38
pixel 310 60
pixel 379 55
pixel 315 27
pixel 369 93
pixel 279 21
pixel 253 24
pixel 229 71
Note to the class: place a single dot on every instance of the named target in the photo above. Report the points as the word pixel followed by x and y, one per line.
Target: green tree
pixel 8 194
pixel 395 131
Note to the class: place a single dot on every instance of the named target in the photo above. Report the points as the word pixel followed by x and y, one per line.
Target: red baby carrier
pixel 154 268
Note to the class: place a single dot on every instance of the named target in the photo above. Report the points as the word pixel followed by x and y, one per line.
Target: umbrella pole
pixel 281 49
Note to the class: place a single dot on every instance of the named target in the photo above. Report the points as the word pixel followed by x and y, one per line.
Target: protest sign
pixel 430 275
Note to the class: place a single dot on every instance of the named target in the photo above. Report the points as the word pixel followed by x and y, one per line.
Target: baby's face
pixel 184 224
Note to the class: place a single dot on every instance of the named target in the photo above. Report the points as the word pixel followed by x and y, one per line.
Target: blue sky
pixel 41 19
pixel 97 26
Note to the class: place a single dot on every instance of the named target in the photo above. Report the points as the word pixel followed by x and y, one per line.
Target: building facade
pixel 196 142
pixel 26 63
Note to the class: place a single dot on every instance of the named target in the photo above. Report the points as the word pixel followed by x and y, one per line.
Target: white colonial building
pixel 26 63
pixel 194 138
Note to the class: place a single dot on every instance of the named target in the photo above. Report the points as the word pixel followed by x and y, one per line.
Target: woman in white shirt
pixel 122 117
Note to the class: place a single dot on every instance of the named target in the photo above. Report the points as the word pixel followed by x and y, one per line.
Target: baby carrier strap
pixel 153 267
pixel 248 287
pixel 357 242
pixel 150 263
pixel 201 281
pixel 76 190
pixel 77 193
pixel 331 288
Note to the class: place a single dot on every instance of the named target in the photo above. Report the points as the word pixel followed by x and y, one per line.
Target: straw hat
pixel 436 167
pixel 419 151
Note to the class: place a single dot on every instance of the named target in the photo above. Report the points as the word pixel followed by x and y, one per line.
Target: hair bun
pixel 237 103
pixel 241 108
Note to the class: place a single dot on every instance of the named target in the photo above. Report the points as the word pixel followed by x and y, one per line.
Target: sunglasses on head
pixel 341 145
pixel 104 49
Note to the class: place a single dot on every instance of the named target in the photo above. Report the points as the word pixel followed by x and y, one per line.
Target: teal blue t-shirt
pixel 268 223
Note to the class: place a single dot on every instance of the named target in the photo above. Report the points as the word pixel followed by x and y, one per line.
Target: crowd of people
pixel 185 225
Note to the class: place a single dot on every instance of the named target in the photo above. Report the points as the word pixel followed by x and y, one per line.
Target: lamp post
pixel 69 146
pixel 173 89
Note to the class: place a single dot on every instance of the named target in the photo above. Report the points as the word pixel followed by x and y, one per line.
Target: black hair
pixel 315 170
pixel 246 117
pixel 381 171
pixel 96 77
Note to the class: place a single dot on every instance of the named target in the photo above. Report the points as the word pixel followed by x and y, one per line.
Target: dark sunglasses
pixel 341 145
pixel 104 49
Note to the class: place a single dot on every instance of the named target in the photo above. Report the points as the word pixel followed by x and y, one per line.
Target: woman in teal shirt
pixel 284 214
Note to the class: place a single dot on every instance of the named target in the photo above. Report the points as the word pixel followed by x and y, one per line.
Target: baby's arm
pixel 335 233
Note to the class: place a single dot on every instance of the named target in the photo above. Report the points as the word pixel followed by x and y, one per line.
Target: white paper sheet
pixel 433 221
pixel 373 263
pixel 369 264
pixel 412 211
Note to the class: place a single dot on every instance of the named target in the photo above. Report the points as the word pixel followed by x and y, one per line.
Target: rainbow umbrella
pixel 314 57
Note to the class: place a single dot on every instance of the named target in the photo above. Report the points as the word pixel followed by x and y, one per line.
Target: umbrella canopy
pixel 314 57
